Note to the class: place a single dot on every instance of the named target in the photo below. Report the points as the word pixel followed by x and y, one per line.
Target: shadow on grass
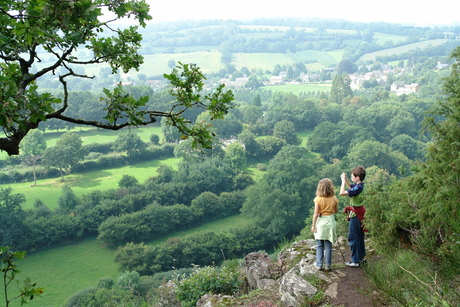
pixel 91 179
pixel 155 163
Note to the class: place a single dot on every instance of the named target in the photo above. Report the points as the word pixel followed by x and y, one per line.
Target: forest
pixel 406 142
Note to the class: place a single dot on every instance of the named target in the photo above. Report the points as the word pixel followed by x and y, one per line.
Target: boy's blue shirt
pixel 355 189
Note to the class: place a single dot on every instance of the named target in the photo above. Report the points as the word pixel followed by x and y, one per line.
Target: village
pixel 357 81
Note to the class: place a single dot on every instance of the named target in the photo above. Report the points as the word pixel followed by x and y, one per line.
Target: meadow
pixel 208 58
pixel 48 190
pixel 402 49
pixel 64 271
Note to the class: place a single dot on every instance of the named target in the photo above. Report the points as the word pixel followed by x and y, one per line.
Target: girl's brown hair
pixel 325 188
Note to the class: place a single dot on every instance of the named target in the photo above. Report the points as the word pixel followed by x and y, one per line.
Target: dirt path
pixel 354 288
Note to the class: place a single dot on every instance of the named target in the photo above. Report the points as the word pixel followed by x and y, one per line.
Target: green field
pixel 101 136
pixel 209 61
pixel 66 270
pixel 381 38
pixel 402 49
pixel 48 190
pixel 260 60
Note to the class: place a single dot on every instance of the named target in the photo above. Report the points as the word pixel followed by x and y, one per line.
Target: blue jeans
pixel 356 240
pixel 323 250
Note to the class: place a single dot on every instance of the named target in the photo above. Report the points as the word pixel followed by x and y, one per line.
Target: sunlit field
pixel 49 190
pixel 64 271
pixel 402 49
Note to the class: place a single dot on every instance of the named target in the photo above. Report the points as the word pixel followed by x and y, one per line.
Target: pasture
pixel 210 61
pixel 66 270
pixel 93 135
pixel 402 49
pixel 49 190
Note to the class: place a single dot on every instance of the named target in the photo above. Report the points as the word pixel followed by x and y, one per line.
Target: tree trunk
pixel 35 176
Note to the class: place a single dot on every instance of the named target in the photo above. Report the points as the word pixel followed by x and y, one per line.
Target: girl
pixel 324 227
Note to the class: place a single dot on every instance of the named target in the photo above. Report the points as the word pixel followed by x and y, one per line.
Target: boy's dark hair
pixel 360 172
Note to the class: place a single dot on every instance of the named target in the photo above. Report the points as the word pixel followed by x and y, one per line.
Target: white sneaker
pixel 352 264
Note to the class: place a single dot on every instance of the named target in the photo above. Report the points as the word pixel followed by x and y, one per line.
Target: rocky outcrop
pixel 260 271
pixel 293 289
pixel 289 276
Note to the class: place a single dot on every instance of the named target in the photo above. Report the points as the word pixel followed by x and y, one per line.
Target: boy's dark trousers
pixel 356 240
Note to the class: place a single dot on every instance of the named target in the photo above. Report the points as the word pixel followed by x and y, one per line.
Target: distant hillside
pixel 402 49
pixel 218 46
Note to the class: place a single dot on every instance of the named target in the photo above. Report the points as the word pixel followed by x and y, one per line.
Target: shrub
pixel 4 178
pixel 100 148
pixel 128 181
pixel 207 280
pixel 85 167
pixel 111 161
pixel 93 155
pixel 154 139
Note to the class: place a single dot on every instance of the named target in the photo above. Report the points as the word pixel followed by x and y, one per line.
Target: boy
pixel 355 213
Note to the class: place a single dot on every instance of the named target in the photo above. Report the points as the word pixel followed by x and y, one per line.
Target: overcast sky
pixel 415 12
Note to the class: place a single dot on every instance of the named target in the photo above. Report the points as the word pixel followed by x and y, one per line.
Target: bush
pixel 164 151
pixel 111 161
pixel 207 280
pixel 4 178
pixel 85 167
pixel 100 148
pixel 128 181
pixel 93 155
pixel 154 139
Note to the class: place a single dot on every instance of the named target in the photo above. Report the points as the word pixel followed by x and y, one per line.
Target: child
pixel 355 213
pixel 323 226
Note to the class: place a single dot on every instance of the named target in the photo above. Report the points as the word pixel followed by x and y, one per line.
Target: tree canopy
pixel 59 29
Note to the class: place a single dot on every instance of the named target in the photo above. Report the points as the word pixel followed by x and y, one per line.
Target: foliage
pixel 285 130
pixel 60 30
pixel 407 277
pixel 207 279
pixel 12 226
pixel 340 90
pixel 32 26
pixel 123 292
pixel 369 153
pixel 278 201
pixel 9 268
pixel 128 181
pixel 67 152
pixel 138 226
pixel 131 143
pixel 68 200
pixel 186 83
pixel 236 157
pixel 200 248
pixel 420 212
pixel 33 146
pixel 154 139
